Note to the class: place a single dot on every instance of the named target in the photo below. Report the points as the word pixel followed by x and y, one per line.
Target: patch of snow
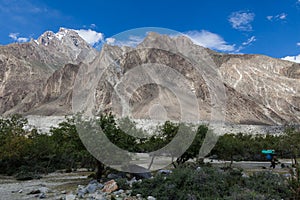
pixel 60 35
pixel 295 59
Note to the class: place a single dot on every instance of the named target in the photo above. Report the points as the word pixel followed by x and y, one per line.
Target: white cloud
pixel 281 16
pixel 203 38
pixel 249 41
pixel 131 41
pixel 298 43
pixel 15 37
pixel 245 44
pixel 241 20
pixel 110 41
pixel 22 39
pixel 295 59
pixel 90 36
pixel 93 26
pixel 210 40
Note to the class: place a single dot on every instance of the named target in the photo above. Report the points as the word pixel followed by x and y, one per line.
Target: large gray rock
pixel 137 171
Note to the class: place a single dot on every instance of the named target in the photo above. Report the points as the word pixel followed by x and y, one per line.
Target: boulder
pixel 164 171
pixel 137 171
pixel 110 186
pixel 114 176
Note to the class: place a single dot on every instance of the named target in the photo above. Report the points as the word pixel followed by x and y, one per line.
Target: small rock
pixel 123 195
pixel 44 189
pixel 98 197
pixel 34 192
pixel 81 192
pixel 138 195
pixel 151 198
pixel 110 186
pixel 91 188
pixel 128 192
pixel 42 196
pixel 70 197
pixel 133 180
pixel 287 175
pixel 164 171
pixel 20 191
pixel 93 182
pixel 244 175
pixel 63 192
pixel 113 176
pixel 137 171
pixel 118 192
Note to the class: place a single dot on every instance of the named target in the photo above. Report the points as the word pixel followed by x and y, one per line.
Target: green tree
pixel 290 143
pixel 168 131
pixel 68 146
pixel 193 150
pixel 228 146
pixel 14 143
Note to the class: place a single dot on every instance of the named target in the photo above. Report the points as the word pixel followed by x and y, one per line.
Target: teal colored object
pixel 268 151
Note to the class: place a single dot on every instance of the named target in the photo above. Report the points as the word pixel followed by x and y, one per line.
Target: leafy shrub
pixel 211 183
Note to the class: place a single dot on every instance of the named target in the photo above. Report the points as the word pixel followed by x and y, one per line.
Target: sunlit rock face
pixel 37 78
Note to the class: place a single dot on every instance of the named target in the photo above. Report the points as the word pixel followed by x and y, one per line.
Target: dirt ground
pixel 59 184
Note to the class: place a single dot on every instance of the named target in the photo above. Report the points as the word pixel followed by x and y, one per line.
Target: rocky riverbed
pixel 66 186
pixel 44 123
pixel 77 185
pixel 51 186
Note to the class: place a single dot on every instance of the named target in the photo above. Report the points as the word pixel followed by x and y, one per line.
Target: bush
pixel 212 183
pixel 24 152
pixel 248 147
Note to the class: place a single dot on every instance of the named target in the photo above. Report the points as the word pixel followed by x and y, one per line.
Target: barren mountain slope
pixel 258 89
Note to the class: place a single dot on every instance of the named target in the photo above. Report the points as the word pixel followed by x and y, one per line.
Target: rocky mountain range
pixel 42 76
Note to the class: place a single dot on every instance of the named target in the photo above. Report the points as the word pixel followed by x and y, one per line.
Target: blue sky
pixel 270 27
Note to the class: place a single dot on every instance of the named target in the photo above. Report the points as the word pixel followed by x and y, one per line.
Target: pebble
pixel 151 198
pixel 44 189
pixel 70 197
pixel 133 180
pixel 118 192
pixel 42 196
